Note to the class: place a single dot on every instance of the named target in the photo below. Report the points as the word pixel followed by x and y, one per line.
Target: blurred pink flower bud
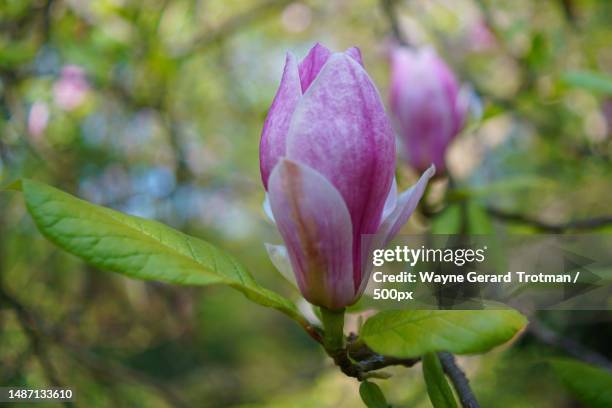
pixel 327 158
pixel 428 107
pixel 38 119
pixel 71 89
pixel 480 37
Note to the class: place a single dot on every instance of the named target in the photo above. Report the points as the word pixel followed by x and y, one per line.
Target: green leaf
pixel 478 220
pixel 412 333
pixel 372 396
pixel 591 385
pixel 591 81
pixel 439 391
pixel 139 248
pixel 448 222
pixel 14 186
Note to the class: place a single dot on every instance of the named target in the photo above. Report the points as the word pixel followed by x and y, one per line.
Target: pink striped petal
pixel 407 202
pixel 280 259
pixel 311 64
pixel 355 53
pixel 316 227
pixel 276 126
pixel 340 129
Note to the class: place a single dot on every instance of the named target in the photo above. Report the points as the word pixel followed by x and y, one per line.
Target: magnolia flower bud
pixel 38 119
pixel 427 104
pixel 327 158
pixel 71 88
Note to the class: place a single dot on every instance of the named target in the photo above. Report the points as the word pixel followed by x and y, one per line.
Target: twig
pixel 33 335
pixel 233 24
pixel 459 380
pixel 95 363
pixel 569 11
pixel 388 7
pixel 571 347
pixel 583 224
pixel 358 361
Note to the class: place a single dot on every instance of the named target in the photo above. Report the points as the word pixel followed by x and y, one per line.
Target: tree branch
pixel 35 329
pixel 583 224
pixel 233 24
pixel 571 347
pixel 357 360
pixel 459 380
pixel 388 8
pixel 25 321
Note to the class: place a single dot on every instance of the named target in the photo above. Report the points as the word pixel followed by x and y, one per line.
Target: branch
pixel 34 326
pixel 358 361
pixel 33 335
pixel 388 7
pixel 569 11
pixel 233 24
pixel 571 347
pixel 459 380
pixel 583 224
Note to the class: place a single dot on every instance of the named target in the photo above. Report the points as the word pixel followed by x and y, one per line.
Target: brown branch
pixel 571 347
pixel 358 361
pixel 459 380
pixel 388 8
pixel 33 335
pixel 36 330
pixel 576 225
pixel 233 24
pixel 569 11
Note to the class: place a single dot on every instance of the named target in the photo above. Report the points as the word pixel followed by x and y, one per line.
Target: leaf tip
pixel 16 185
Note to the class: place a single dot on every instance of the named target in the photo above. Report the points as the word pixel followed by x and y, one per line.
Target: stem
pixel 570 346
pixel 333 323
pixel 459 380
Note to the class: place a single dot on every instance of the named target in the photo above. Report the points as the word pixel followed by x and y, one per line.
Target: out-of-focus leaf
pixel 412 333
pixel 448 222
pixel 478 220
pixel 372 396
pixel 137 247
pixel 589 384
pixel 592 81
pixel 439 391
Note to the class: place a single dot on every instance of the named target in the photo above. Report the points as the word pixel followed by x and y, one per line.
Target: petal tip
pixel 431 170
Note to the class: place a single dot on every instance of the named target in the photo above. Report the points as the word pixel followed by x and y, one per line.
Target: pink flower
pixel 71 89
pixel 38 119
pixel 480 37
pixel 427 104
pixel 327 159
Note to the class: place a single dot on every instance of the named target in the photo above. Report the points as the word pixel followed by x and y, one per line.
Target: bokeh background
pixel 155 108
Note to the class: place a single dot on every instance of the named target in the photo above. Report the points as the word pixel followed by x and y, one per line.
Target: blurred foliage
pixel 163 121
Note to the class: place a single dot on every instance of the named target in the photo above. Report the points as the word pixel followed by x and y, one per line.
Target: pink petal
pixel 267 209
pixel 355 53
pixel 276 126
pixel 427 118
pixel 280 259
pixel 340 129
pixel 451 87
pixel 311 65
pixel 316 227
pixel 391 201
pixel 407 202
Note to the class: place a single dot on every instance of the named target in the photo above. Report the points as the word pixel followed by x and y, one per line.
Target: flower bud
pixel 71 89
pixel 38 119
pixel 327 159
pixel 428 106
